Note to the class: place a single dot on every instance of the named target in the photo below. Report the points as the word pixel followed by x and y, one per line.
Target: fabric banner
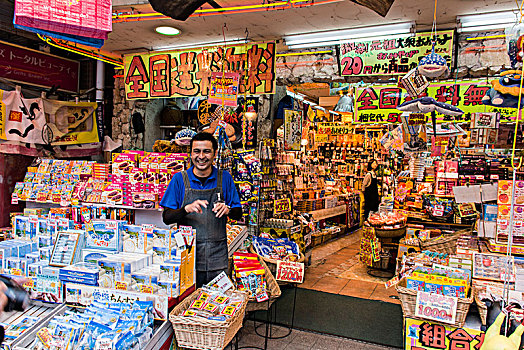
pixel 21 119
pixel 89 18
pixel 392 56
pixel 377 104
pixel 292 129
pixel 186 73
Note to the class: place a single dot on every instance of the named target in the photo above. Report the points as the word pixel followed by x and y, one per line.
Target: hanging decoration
pixel 505 90
pixel 428 104
pixel 184 136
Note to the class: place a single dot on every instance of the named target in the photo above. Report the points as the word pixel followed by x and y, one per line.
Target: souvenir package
pixel 107 235
pixel 215 305
pixel 276 248
pixel 250 276
pixel 441 280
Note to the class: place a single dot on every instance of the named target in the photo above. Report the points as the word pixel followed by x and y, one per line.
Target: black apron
pixel 371 200
pixel 211 238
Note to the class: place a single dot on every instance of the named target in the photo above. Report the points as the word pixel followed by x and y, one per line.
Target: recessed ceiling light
pixel 165 30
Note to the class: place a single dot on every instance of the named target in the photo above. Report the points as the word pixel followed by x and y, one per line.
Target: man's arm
pixel 172 216
pixel 235 213
pixel 231 197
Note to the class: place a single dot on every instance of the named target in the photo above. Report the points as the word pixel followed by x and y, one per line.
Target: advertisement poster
pixel 292 129
pixel 377 103
pixel 436 307
pixel 224 89
pixel 188 72
pixel 422 335
pixel 392 56
pixel 38 68
pixel 83 295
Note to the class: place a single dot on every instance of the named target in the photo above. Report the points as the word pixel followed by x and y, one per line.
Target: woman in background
pixel 370 184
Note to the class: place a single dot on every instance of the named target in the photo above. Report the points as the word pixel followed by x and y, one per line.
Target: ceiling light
pixel 195 45
pixel 166 30
pixel 336 37
pixel 487 21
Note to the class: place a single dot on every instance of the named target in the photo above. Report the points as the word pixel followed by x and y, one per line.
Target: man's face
pixel 202 155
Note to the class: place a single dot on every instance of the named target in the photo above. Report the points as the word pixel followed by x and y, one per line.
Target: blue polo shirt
pixel 174 196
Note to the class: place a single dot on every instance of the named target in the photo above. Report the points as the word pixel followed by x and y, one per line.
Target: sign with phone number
pixel 290 271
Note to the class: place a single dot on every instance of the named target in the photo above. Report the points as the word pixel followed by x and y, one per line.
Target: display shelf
pixel 96 205
pixel 237 242
pixel 322 214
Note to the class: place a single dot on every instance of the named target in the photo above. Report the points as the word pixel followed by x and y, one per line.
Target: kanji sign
pixel 292 129
pixel 282 206
pixel 392 56
pixel 377 104
pixel 440 308
pixel 422 335
pixel 37 68
pixel 333 129
pixel 290 271
pixel 188 72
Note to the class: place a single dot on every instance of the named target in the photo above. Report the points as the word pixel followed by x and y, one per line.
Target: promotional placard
pixel 83 295
pixel 436 307
pixel 282 206
pixel 422 334
pixel 224 89
pixel 292 129
pixel 290 271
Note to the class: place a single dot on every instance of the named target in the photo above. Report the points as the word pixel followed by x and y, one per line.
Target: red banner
pixel 91 18
pixel 37 68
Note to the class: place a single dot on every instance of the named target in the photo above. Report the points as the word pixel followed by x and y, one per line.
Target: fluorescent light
pixel 340 42
pixel 335 37
pixel 195 45
pixel 166 30
pixel 487 21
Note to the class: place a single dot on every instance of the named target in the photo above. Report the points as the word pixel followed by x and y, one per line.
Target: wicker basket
pixel 272 263
pixel 200 333
pixel 390 233
pixel 408 298
pixel 481 307
pixel 443 244
pixel 273 292
pixel 316 239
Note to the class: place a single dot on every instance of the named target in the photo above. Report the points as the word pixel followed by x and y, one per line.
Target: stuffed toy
pixel 504 91
pixel 184 136
pixel 433 65
pixel 428 105
pixel 494 341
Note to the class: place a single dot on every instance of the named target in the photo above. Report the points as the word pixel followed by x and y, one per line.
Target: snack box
pixel 170 270
pixel 145 200
pixel 123 163
pixel 148 277
pixel 107 235
pixel 113 194
pixel 93 255
pixel 88 273
pixel 504 192
pixel 169 288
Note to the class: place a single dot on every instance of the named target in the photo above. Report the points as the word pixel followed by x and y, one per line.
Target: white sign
pixel 222 282
pixel 14 199
pixel 436 307
pixel 83 295
pixel 290 271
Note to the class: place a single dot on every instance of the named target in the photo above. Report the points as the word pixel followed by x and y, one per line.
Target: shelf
pixel 96 205
pixel 328 213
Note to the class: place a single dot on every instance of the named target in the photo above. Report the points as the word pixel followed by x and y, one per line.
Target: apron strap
pixel 186 180
pixel 219 180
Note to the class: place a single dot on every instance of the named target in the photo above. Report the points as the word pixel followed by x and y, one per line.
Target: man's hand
pixel 220 209
pixel 196 206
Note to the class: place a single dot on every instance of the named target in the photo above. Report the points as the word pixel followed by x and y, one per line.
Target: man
pixel 203 197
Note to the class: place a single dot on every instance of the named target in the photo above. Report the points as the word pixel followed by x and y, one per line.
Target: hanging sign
pixel 391 56
pixel 290 271
pixel 376 104
pixel 333 129
pixel 224 89
pixel 422 334
pixel 436 307
pixel 282 206
pixel 292 129
pixel 417 119
pixel 188 72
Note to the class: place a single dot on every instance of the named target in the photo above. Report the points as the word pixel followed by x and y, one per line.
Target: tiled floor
pixel 336 268
pixel 298 340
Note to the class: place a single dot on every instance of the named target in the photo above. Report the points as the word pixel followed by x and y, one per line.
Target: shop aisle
pixel 336 268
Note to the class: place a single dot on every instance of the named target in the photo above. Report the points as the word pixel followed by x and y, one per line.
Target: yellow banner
pixel 377 104
pixel 188 72
pixel 421 335
pixel 334 129
pixel 392 56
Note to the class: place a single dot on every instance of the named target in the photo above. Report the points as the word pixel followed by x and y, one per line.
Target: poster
pixel 38 68
pixel 188 72
pixel 21 119
pixel 377 103
pixel 292 129
pixel 422 335
pixel 224 89
pixel 436 307
pixel 391 56
pixel 414 136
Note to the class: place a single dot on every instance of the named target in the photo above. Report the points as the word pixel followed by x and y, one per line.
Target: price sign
pixel 14 199
pixel 416 119
pixel 436 307
pixel 290 271
pixel 56 197
pixel 41 197
pixel 282 206
pixel 147 228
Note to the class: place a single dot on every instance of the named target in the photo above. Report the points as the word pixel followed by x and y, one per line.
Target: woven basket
pixel 273 292
pixel 481 307
pixel 316 239
pixel 200 333
pixel 443 244
pixel 408 298
pixel 390 233
pixel 272 263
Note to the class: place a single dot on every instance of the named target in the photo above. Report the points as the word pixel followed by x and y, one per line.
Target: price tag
pixel 290 271
pixel 63 222
pixel 147 228
pixel 33 219
pixel 111 225
pixel 14 199
pixel 120 285
pixel 41 197
pixel 52 222
pixel 56 197
pixel 146 289
pixel 64 203
pixel 436 307
pixel 74 201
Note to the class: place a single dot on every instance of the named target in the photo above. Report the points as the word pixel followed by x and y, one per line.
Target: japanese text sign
pixel 224 89
pixel 292 129
pixel 290 271
pixel 377 103
pixel 422 335
pixel 38 68
pixel 436 307
pixel 333 129
pixel 282 206
pixel 188 72
pixel 392 56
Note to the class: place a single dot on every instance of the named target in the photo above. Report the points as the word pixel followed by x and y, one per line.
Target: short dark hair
pixel 204 136
pixel 371 163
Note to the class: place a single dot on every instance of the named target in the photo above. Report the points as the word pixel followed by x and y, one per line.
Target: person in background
pixel 204 197
pixel 370 186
